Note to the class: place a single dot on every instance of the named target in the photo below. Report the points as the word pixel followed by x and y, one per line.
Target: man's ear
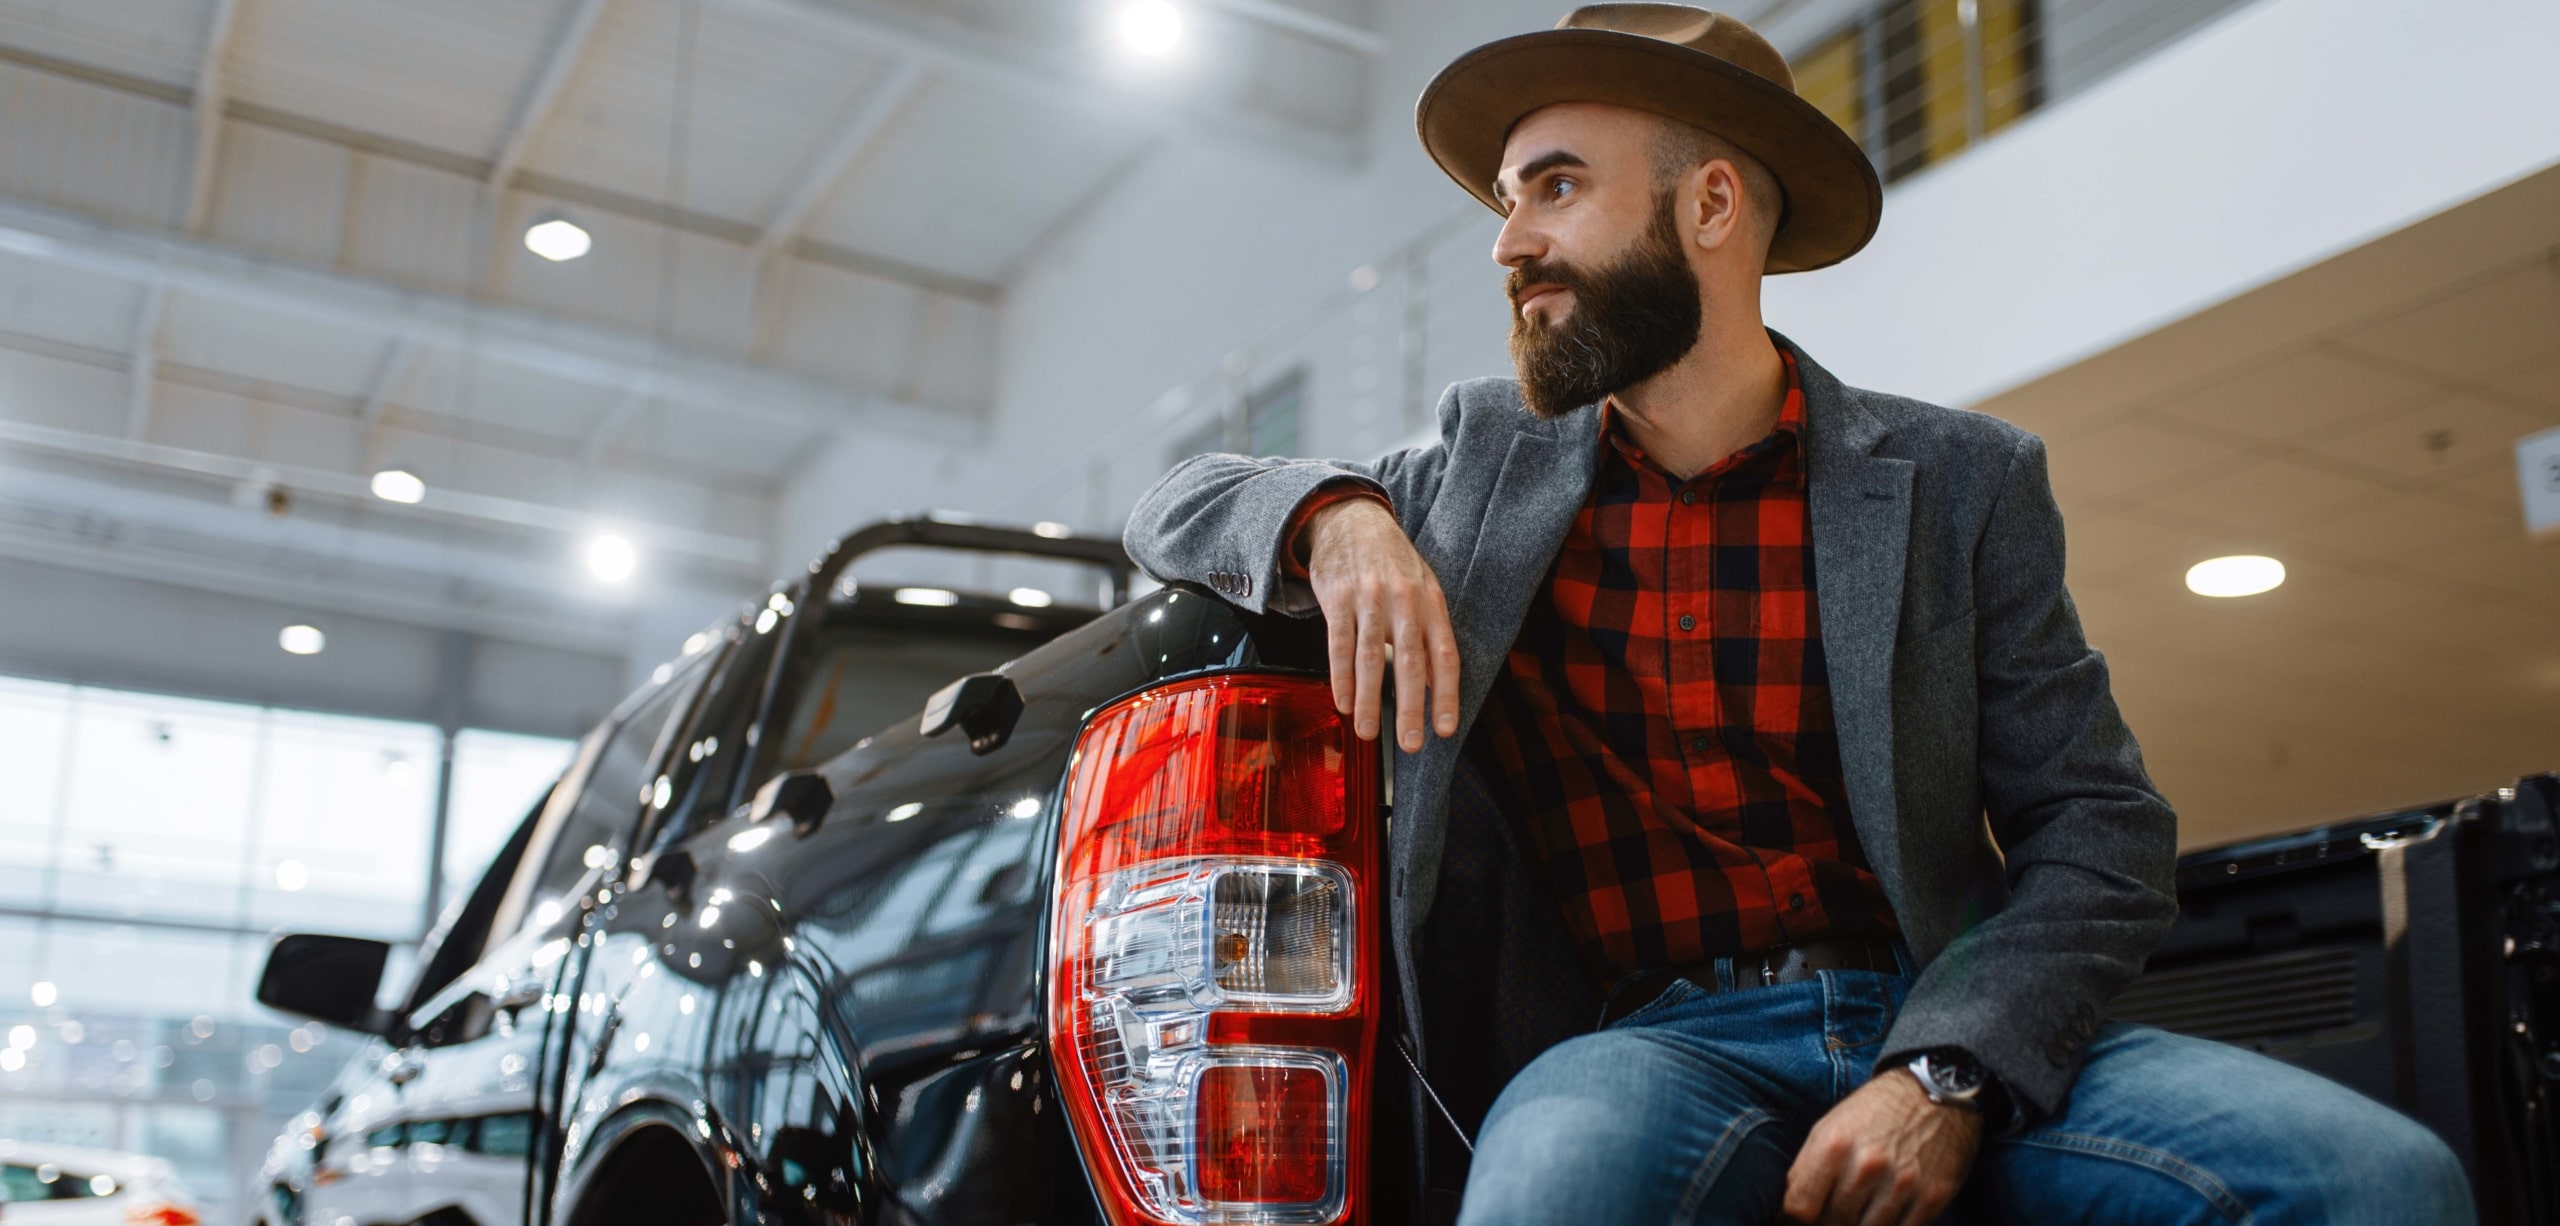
pixel 1715 214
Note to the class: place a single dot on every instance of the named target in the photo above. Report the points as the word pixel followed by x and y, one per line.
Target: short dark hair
pixel 1681 147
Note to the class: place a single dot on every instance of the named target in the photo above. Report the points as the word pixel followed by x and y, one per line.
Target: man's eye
pixel 1559 186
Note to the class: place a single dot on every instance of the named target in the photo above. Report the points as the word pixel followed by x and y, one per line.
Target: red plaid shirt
pixel 1663 724
pixel 1662 729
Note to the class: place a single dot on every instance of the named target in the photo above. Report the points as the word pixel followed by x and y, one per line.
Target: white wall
pixel 2267 140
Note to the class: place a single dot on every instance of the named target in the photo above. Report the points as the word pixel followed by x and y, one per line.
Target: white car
pixel 63 1185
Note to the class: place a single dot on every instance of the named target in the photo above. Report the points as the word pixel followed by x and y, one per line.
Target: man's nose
pixel 1518 243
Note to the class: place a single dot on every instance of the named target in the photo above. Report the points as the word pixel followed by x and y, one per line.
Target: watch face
pixel 1952 1073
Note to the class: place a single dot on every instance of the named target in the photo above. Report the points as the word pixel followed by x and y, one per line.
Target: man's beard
pixel 1630 321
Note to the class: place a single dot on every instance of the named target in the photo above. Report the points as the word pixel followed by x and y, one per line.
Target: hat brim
pixel 1834 199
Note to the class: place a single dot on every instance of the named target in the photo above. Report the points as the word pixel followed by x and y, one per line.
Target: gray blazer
pixel 1993 785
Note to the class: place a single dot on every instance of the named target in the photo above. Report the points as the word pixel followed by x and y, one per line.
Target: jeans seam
pixel 2197 1179
pixel 1717 1157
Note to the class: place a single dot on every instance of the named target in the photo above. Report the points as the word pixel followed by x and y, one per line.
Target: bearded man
pixel 1766 839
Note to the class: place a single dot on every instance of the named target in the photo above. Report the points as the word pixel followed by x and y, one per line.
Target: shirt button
pixel 1697 744
pixel 1687 622
pixel 1795 902
pixel 1688 497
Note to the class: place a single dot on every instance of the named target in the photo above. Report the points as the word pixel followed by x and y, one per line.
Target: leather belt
pixel 1765 968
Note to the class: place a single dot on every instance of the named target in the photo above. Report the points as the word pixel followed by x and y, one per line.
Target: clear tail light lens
pixel 1213 968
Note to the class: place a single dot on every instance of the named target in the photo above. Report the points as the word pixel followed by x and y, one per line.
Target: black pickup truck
pixel 895 906
pixel 912 906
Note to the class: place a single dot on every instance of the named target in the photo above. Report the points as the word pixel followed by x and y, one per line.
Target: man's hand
pixel 1377 592
pixel 1886 1156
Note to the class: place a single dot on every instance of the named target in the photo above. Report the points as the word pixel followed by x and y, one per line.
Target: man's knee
pixel 1610 1127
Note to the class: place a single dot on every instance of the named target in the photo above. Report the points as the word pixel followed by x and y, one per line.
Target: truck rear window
pixel 866 676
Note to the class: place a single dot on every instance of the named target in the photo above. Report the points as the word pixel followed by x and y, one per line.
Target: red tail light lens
pixel 161 1215
pixel 1213 974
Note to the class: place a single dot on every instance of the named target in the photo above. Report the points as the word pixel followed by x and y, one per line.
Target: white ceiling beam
pixel 566 49
pixel 212 91
pixel 143 373
pixel 563 348
pixel 617 419
pixel 388 377
pixel 952 48
pixel 354 488
pixel 878 110
pixel 1326 30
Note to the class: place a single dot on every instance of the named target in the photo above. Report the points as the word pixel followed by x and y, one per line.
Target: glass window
pixel 865 676
pixel 385 1137
pixel 34 717
pixel 497 776
pixel 343 822
pixel 430 1132
pixel 614 791
pixel 704 768
pixel 504 1136
pixel 158 796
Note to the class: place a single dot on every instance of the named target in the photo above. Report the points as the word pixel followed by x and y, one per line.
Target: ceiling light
pixel 934 596
pixel 1031 598
pixel 302 640
pixel 556 238
pixel 398 485
pixel 42 994
pixel 1150 27
pixel 2238 575
pixel 291 875
pixel 611 558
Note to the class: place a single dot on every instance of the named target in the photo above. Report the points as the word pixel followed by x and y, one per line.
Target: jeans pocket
pixel 1679 992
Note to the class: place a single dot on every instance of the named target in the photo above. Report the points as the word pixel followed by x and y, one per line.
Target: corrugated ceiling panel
pixel 281 194
pixel 68 143
pixel 846 326
pixel 444 73
pixel 766 93
pixel 49 391
pixel 414 225
pixel 617 282
pixel 158 40
pixel 969 181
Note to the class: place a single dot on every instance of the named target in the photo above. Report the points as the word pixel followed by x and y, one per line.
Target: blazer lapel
pixel 1861 510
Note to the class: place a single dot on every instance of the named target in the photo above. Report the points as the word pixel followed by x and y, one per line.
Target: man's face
pixel 1602 293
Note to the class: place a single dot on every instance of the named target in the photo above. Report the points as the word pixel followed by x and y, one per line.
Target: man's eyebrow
pixel 1536 166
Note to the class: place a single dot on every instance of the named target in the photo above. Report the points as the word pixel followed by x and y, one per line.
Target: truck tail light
pixel 1213 965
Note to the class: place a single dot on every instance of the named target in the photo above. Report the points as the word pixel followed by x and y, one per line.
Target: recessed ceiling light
pixel 1150 27
pixel 557 238
pixel 2238 575
pixel 291 875
pixel 302 640
pixel 611 558
pixel 933 596
pixel 398 485
pixel 1032 598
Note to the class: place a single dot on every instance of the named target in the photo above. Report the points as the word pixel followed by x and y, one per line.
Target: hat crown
pixel 1697 29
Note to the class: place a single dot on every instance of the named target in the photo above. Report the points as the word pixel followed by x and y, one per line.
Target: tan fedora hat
pixel 1689 64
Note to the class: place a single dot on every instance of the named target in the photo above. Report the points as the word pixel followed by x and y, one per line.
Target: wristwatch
pixel 1949 1077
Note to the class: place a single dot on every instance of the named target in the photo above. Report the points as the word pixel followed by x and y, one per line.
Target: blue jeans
pixel 1691 1108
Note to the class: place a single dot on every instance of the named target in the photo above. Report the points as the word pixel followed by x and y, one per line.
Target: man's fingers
pixel 1809 1182
pixel 1341 641
pixel 1370 663
pixel 1413 679
pixel 1443 644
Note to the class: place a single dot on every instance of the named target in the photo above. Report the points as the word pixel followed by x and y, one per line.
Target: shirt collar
pixel 1789 430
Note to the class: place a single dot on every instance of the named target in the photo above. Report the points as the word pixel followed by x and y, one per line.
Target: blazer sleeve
pixel 2090 846
pixel 1223 520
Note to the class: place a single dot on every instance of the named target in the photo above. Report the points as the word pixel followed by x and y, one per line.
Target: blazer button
pixel 1244 584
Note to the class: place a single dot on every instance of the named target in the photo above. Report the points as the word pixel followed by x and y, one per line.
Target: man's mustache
pixel 1540 272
